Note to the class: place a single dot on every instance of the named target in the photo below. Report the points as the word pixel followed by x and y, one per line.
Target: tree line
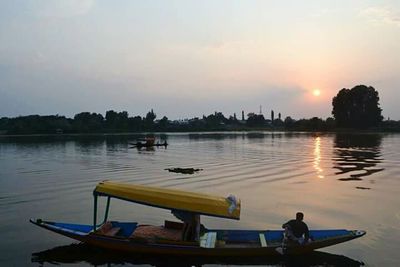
pixel 356 108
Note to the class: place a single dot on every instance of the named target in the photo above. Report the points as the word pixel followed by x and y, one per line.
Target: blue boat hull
pixel 230 242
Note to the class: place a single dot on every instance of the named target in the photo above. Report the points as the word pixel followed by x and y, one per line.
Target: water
pixel 338 180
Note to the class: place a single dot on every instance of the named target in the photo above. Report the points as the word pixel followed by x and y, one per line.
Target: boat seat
pixel 208 240
pixel 152 233
pixel 113 231
pixel 108 230
pixel 262 240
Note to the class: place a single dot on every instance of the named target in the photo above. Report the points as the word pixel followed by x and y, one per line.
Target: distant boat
pixel 188 237
pixel 148 142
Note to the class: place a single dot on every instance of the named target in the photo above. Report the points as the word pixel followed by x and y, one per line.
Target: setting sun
pixel 316 92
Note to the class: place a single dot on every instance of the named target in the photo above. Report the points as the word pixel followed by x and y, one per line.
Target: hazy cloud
pixel 381 15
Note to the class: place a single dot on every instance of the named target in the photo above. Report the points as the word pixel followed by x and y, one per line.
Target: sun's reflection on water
pixel 317 157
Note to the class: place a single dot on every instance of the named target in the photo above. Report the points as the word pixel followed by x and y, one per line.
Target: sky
pixel 188 58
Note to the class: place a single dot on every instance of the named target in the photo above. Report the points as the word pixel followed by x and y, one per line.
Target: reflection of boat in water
pixel 83 253
pixel 148 142
pixel 188 237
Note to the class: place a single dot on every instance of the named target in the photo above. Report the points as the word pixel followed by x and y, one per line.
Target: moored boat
pixel 188 237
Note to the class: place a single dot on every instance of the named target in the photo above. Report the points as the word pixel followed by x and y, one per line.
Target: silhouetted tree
pixel 163 123
pixel 86 122
pixel 330 123
pixel 255 120
pixel 35 124
pixel 149 120
pixel 111 119
pixel 117 121
pixel 289 122
pixel 357 107
pixel 215 120
pixel 135 124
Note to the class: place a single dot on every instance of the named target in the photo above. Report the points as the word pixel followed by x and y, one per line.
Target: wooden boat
pixel 140 145
pixel 188 237
pixel 148 142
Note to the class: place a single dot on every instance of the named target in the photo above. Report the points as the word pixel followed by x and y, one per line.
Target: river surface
pixel 339 181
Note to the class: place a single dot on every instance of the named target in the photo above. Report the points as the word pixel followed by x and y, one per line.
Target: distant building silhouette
pixel 242 115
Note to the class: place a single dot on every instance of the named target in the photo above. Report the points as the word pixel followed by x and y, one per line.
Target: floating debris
pixel 183 170
pixel 350 179
pixel 363 188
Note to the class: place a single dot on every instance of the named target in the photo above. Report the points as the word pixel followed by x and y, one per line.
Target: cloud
pixel 381 15
pixel 60 8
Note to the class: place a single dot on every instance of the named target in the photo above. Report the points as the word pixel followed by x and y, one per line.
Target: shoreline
pixel 342 131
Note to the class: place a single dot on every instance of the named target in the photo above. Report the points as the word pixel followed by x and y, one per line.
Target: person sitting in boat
pixel 296 231
pixel 150 141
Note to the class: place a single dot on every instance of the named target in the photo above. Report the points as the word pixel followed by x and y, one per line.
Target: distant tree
pixel 255 120
pixel 163 123
pixel 117 121
pixel 86 122
pixel 288 122
pixel 135 124
pixel 215 121
pixel 150 116
pixel 315 124
pixel 357 107
pixel 111 119
pixel 330 123
pixel 4 124
pixel 35 124
pixel 149 120
pixel 233 119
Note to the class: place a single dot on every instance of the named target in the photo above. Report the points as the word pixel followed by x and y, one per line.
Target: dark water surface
pixel 338 180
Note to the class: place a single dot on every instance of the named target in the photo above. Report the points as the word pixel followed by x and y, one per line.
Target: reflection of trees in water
pixel 357 155
pixel 81 253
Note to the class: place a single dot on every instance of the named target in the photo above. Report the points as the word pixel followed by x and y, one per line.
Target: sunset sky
pixel 189 58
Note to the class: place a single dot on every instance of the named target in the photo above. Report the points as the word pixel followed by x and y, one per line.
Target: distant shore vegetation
pixel 353 109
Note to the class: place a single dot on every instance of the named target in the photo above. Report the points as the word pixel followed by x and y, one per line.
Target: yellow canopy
pixel 172 199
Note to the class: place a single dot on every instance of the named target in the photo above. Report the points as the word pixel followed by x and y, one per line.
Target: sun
pixel 316 92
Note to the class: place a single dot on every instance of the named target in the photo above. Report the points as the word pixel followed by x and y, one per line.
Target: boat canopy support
pixel 95 212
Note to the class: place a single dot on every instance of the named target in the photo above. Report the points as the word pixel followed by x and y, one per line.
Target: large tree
pixel 357 107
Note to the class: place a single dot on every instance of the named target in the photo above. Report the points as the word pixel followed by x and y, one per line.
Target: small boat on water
pixel 188 237
pixel 148 142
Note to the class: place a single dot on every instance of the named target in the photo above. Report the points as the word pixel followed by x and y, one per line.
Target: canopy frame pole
pixel 95 212
pixel 107 209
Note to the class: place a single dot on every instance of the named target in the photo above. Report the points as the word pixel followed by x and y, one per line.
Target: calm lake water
pixel 338 180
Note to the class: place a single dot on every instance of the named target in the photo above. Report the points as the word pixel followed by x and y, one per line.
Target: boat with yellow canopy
pixel 189 236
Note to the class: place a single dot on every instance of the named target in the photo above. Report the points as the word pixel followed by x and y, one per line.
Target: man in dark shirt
pixel 295 229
